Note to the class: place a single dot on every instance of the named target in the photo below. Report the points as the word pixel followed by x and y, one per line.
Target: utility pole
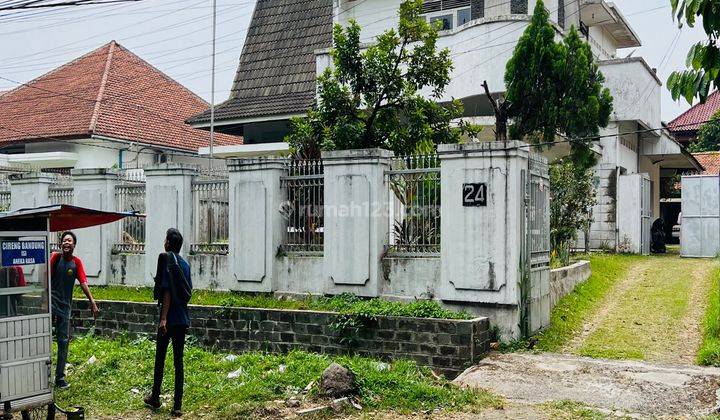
pixel 212 88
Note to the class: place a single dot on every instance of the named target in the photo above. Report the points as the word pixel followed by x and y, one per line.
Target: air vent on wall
pixel 432 6
pixel 436 6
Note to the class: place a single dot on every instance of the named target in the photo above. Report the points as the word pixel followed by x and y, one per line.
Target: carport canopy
pixel 60 217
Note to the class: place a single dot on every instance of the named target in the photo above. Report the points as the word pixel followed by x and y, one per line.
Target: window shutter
pixel 477 9
pixel 561 13
pixel 519 7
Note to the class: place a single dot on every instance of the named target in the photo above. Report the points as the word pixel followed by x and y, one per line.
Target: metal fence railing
pixel 4 191
pixel 130 196
pixel 414 205
pixel 538 229
pixel 211 209
pixel 4 200
pixel 61 192
pixel 304 190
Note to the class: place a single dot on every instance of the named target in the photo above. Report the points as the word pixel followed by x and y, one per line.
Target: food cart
pixel 25 310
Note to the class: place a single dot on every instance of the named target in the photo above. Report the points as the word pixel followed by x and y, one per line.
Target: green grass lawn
pixel 648 318
pixel 709 353
pixel 571 313
pixel 116 383
pixel 341 303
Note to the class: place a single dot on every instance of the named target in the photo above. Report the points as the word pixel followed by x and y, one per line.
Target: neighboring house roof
pixel 109 92
pixel 693 118
pixel 276 73
pixel 710 161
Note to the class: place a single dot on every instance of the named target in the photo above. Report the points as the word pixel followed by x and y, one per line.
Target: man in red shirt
pixel 65 269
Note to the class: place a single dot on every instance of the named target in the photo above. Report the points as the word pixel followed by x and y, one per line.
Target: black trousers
pixel 177 335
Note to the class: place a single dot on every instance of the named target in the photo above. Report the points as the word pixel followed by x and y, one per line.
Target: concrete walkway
pixel 632 388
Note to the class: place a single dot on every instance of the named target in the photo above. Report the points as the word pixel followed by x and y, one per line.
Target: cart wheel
pixel 46 412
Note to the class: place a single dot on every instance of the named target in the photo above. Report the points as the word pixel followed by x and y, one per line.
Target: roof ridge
pixel 160 72
pixel 103 84
pixel 692 108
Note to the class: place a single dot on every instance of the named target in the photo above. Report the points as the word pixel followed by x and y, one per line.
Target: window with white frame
pixel 450 18
pixel 447 21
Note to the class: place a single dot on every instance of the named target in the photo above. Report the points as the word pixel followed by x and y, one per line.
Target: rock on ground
pixel 338 381
pixel 628 386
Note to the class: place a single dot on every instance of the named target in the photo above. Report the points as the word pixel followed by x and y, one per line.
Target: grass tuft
pixel 345 303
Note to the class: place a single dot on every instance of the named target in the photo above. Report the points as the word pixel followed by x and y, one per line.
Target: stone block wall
pixel 447 346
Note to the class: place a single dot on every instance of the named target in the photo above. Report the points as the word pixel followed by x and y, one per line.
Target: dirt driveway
pixel 641 345
pixel 654 313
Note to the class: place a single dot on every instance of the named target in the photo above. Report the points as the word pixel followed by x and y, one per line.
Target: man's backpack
pixel 179 285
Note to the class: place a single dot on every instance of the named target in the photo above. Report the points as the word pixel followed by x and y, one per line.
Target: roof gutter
pixel 240 121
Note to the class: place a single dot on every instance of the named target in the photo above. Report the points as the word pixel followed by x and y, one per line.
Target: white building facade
pixel 481 36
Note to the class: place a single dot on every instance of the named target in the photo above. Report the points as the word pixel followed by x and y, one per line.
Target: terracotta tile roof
pixel 693 118
pixel 710 161
pixel 276 73
pixel 108 92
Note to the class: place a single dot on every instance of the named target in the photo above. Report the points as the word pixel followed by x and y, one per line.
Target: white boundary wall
pixel 481 267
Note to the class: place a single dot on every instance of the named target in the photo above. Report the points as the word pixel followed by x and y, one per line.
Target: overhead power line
pixel 46 4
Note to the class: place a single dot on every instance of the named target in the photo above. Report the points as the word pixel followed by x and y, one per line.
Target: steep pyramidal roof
pixel 109 92
pixel 276 74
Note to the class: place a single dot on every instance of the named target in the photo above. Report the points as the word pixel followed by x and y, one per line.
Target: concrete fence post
pixel 95 188
pixel 168 204
pixel 256 222
pixel 356 220
pixel 30 189
pixel 482 224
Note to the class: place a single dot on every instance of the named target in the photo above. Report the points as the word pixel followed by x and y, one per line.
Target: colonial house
pixel 108 108
pixel 275 81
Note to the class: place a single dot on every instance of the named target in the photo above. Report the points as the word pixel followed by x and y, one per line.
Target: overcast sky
pixel 174 36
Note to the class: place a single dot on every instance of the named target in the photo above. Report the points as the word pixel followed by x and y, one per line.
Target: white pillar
pixel 30 189
pixel 95 188
pixel 356 220
pixel 168 204
pixel 256 222
pixel 481 243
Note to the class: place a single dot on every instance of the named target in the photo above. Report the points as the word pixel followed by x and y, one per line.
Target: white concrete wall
pixel 356 219
pixel 481 49
pixel 628 213
pixel 95 188
pixel 410 278
pixel 97 153
pixel 564 280
pixel 168 204
pixel 635 90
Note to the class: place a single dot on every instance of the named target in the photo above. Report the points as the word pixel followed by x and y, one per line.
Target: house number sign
pixel 474 195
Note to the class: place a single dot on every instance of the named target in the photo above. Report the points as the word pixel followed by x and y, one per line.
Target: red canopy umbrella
pixel 65 217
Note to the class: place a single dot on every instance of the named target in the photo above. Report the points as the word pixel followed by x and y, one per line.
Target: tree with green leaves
pixel 372 98
pixel 555 89
pixel 572 195
pixel 702 75
pixel 708 136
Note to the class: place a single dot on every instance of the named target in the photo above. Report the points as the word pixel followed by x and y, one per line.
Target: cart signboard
pixel 17 253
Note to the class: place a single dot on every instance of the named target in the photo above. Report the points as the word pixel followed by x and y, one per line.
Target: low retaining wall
pixel 564 280
pixel 448 346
